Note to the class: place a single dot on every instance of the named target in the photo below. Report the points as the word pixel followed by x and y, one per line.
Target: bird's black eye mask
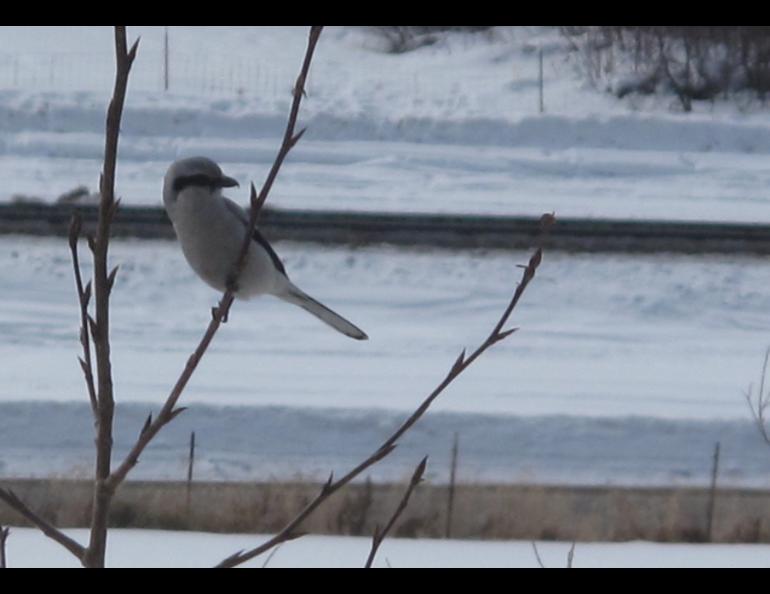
pixel 199 179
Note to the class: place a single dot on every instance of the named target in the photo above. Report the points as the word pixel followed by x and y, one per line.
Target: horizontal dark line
pixel 439 230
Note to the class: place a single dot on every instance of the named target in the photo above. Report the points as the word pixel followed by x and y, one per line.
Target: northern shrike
pixel 211 229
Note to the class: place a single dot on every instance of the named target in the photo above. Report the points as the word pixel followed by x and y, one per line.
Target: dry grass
pixel 481 511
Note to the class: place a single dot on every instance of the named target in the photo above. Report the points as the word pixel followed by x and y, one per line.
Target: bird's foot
pixel 215 315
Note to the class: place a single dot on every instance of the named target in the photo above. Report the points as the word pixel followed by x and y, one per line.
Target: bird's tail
pixel 298 297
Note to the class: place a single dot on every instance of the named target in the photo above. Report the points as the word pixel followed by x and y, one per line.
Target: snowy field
pixel 154 548
pixel 626 369
pixel 616 355
pixel 453 127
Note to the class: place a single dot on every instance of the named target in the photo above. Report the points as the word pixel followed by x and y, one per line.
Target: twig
pixel 103 282
pixel 45 527
pixel 220 313
pixel 270 556
pixel 4 532
pixel 379 535
pixel 84 296
pixel 758 409
pixel 460 365
pixel 571 555
pixel 537 556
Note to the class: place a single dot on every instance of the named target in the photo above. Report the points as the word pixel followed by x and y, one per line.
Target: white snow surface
pixel 625 370
pixel 130 548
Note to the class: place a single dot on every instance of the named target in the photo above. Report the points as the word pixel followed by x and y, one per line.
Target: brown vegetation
pixel 491 512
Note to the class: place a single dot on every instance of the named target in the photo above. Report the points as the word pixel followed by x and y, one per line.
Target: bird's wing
pixel 241 215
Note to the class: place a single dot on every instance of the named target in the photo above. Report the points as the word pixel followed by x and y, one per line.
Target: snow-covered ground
pixel 617 345
pixel 155 548
pixel 664 336
pixel 626 369
pixel 453 127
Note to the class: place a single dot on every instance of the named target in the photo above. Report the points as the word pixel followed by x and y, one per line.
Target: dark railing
pixel 435 230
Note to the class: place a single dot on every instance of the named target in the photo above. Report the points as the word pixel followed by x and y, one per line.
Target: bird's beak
pixel 228 182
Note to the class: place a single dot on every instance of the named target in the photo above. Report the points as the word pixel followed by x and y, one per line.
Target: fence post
pixel 190 462
pixel 712 493
pixel 165 58
pixel 452 478
pixel 540 79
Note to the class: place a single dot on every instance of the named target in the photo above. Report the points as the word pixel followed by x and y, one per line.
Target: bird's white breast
pixel 211 237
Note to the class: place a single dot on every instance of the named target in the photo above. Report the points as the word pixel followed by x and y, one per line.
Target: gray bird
pixel 211 228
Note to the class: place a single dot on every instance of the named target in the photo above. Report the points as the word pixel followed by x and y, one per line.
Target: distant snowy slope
pixel 452 127
pixel 260 443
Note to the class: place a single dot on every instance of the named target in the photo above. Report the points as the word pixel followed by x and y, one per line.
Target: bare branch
pixel 379 535
pixel 460 365
pixel 84 295
pixel 220 313
pixel 45 527
pixel 759 408
pixel 4 532
pixel 571 555
pixel 111 278
pixel 270 556
pixel 105 405
pixel 537 556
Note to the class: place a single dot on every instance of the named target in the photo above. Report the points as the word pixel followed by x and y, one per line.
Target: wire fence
pixel 188 73
pixel 220 74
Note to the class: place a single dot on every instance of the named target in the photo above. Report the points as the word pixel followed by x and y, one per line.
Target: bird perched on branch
pixel 211 227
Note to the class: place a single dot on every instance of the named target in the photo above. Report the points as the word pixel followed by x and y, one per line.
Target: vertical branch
pixel 4 532
pixel 103 281
pixel 219 313
pixel 379 535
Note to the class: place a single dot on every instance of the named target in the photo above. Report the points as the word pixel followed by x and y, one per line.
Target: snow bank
pixel 156 548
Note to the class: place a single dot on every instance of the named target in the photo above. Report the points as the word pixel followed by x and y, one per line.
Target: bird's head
pixel 199 172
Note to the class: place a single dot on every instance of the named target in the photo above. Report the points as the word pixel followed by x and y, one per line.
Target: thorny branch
pixel 380 534
pixel 96 329
pixel 84 296
pixel 45 527
pixel 103 281
pixel 219 313
pixel 461 364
